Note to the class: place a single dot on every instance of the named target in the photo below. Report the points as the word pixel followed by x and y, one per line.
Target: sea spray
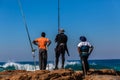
pixel 73 64
pixel 18 66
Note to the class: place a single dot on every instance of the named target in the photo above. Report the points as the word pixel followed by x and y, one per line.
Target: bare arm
pixel 35 43
pixel 79 50
pixel 49 42
pixel 91 49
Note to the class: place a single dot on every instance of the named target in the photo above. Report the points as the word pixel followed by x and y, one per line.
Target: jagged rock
pixel 61 74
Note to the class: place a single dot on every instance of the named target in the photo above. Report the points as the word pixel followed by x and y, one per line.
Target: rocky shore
pixel 61 74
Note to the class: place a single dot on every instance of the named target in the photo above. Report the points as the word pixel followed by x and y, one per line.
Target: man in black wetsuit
pixel 61 40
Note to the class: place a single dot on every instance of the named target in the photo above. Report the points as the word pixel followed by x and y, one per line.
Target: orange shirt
pixel 42 42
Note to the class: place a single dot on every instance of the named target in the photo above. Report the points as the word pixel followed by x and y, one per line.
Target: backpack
pixel 84 48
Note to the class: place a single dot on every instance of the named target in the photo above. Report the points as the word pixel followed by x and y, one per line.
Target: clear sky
pixel 98 20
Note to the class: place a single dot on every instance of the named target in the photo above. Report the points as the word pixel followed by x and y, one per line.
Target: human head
pixel 83 38
pixel 43 34
pixel 61 30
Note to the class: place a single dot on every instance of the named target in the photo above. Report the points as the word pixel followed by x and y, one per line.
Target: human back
pixel 61 47
pixel 84 50
pixel 61 38
pixel 42 42
pixel 84 46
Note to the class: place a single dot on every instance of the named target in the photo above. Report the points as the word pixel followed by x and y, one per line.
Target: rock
pixel 64 74
pixel 103 71
pixel 61 74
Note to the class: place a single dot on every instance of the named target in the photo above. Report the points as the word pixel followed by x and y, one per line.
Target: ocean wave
pixel 29 66
pixel 75 65
pixel 17 66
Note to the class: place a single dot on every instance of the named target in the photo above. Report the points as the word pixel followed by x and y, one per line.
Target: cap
pixel 61 30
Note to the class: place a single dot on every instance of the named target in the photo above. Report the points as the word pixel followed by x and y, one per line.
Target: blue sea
pixel 74 64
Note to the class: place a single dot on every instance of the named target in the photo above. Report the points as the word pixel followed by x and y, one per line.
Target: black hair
pixel 83 38
pixel 43 34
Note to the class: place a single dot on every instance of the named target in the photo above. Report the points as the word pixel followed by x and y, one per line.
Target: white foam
pixel 30 67
pixel 93 63
pixel 72 63
pixel 18 66
pixel 50 66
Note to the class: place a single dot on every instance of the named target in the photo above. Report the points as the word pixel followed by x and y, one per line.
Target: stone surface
pixel 61 74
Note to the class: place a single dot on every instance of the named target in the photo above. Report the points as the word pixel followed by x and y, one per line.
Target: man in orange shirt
pixel 42 44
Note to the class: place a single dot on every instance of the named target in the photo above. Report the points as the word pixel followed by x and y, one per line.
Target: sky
pixel 98 20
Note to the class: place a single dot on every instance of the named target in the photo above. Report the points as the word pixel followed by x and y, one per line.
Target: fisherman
pixel 42 44
pixel 84 49
pixel 61 40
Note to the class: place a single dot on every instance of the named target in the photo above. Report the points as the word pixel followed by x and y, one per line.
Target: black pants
pixel 59 50
pixel 42 59
pixel 85 64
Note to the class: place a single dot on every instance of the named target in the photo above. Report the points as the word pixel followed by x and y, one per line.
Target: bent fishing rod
pixel 25 23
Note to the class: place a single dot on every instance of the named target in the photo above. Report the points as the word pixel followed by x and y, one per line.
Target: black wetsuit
pixel 60 49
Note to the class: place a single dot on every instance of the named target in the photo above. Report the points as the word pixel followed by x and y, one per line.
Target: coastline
pixel 61 74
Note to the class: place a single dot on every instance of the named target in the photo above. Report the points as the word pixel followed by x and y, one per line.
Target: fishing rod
pixel 58 15
pixel 25 23
pixel 58 27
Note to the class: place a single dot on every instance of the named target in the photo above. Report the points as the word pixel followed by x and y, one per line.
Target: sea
pixel 73 64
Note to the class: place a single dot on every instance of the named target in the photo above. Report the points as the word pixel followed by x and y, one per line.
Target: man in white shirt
pixel 84 49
